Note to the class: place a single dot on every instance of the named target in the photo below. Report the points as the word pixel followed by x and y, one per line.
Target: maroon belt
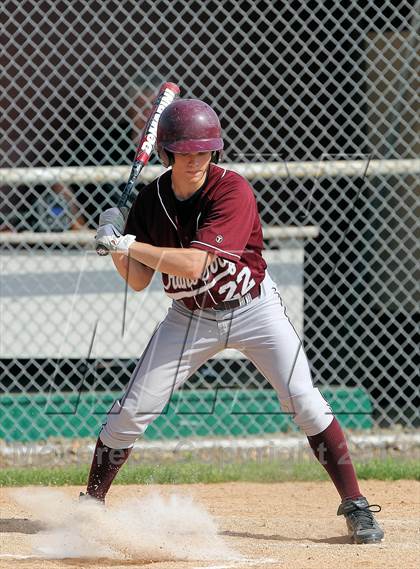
pixel 231 304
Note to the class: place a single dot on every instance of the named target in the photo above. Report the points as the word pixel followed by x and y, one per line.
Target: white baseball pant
pixel 185 340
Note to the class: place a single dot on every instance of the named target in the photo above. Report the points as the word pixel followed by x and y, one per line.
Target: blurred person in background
pixel 40 208
pixel 61 207
pixel 57 209
pixel 113 143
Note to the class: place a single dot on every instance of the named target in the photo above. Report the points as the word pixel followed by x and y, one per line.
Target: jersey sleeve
pixel 136 221
pixel 228 223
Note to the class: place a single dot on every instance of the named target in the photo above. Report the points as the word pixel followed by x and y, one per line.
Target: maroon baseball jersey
pixel 222 220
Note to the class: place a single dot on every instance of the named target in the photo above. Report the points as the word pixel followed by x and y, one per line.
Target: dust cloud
pixel 150 528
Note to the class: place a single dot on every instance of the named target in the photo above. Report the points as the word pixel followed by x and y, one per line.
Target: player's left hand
pixel 111 239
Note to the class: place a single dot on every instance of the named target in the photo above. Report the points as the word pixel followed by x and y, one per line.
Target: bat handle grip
pixel 102 250
pixel 134 174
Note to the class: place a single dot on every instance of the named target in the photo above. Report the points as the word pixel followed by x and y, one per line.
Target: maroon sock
pixel 105 466
pixel 331 450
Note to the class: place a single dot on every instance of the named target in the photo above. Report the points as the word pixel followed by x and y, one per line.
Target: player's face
pixel 192 167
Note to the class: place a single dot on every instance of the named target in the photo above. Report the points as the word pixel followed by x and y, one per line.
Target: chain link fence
pixel 319 110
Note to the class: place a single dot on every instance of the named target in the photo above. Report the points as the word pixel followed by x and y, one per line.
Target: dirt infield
pixel 219 526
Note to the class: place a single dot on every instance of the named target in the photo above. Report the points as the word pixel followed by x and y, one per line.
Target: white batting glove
pixel 108 237
pixel 114 216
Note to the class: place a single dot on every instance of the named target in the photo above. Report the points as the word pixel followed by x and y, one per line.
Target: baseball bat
pixel 167 93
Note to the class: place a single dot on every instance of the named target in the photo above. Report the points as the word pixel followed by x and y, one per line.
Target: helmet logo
pixel 219 238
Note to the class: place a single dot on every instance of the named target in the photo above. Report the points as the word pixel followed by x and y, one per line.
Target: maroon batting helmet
pixel 188 125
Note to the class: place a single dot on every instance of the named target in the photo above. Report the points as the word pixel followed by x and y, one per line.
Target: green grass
pixel 193 472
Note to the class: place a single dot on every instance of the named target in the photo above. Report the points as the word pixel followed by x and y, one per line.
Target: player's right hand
pixel 114 216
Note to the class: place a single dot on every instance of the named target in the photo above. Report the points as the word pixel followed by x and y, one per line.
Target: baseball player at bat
pixel 198 225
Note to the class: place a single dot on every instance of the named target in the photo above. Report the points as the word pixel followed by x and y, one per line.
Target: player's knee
pixel 309 410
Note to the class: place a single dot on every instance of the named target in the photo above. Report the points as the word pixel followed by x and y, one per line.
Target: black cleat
pixel 363 527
